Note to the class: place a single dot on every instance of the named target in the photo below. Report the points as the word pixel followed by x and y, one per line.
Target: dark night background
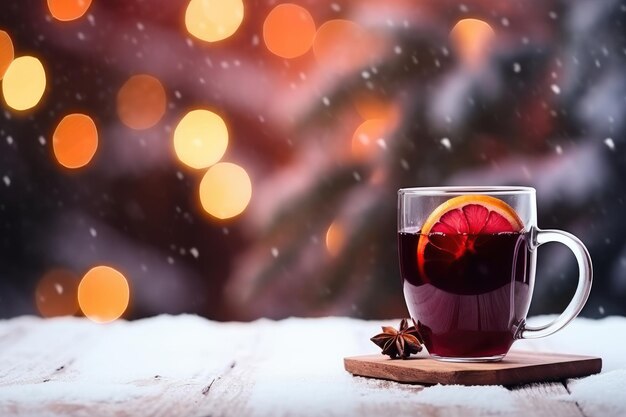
pixel 546 109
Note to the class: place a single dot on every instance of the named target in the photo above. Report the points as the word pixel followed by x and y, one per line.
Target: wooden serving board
pixel 516 368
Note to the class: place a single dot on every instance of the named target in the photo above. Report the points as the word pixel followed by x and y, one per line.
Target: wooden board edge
pixel 585 366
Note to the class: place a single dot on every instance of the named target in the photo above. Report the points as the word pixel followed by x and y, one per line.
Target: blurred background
pixel 241 159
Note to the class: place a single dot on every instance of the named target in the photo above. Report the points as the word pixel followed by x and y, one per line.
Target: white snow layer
pixel 288 367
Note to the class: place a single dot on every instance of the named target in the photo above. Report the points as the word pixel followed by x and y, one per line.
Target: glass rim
pixel 472 189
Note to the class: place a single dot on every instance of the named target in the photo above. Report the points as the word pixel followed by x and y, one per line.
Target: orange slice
pixel 451 229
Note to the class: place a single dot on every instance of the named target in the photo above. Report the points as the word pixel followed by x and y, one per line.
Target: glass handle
pixel 585 277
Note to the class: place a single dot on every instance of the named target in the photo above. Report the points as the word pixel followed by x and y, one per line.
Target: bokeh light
pixel 225 190
pixel 472 39
pixel 141 102
pixel 103 294
pixel 75 140
pixel 335 238
pixel 56 293
pixel 370 138
pixel 370 106
pixel 24 83
pixel 341 45
pixel 6 52
pixel 200 139
pixel 213 20
pixel 68 9
pixel 289 30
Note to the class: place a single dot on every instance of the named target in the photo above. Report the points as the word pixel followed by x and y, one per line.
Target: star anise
pixel 402 343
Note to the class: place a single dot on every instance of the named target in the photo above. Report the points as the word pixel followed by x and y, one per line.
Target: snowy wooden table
pixel 188 366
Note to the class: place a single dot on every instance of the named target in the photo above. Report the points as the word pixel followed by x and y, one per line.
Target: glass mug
pixel 467 259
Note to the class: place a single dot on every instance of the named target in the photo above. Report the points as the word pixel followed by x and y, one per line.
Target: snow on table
pixel 189 366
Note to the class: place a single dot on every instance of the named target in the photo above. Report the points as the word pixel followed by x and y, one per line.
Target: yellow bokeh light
pixel 141 102
pixel 289 30
pixel 65 10
pixel 24 83
pixel 75 140
pixel 213 20
pixel 6 52
pixel 56 293
pixel 472 39
pixel 370 138
pixel 225 190
pixel 335 238
pixel 103 294
pixel 200 139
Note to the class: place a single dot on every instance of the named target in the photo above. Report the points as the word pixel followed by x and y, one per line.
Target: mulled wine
pixel 469 292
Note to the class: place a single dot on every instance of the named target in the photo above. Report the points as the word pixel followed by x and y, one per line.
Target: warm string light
pixel 103 294
pixel 75 140
pixel 66 10
pixel 335 238
pixel 141 102
pixel 56 293
pixel 225 190
pixel 342 45
pixel 472 39
pixel 213 20
pixel 24 83
pixel 289 30
pixel 200 139
pixel 6 52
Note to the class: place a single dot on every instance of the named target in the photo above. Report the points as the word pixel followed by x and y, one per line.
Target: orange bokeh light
pixel 65 10
pixel 56 293
pixel 472 39
pixel 371 107
pixel 341 45
pixel 103 294
pixel 6 52
pixel 141 102
pixel 75 140
pixel 289 30
pixel 335 238
pixel 370 138
pixel 225 190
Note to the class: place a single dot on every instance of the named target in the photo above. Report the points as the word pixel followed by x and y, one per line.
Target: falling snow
pixel 275 252
pixel 609 142
pixel 517 67
pixel 7 180
pixel 397 49
pixel 194 252
pixel 10 140
pixel 58 288
pixel 446 143
pixel 555 89
pixel 326 101
pixel 93 232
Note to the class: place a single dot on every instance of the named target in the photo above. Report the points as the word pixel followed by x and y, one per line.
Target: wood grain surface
pixel 515 369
